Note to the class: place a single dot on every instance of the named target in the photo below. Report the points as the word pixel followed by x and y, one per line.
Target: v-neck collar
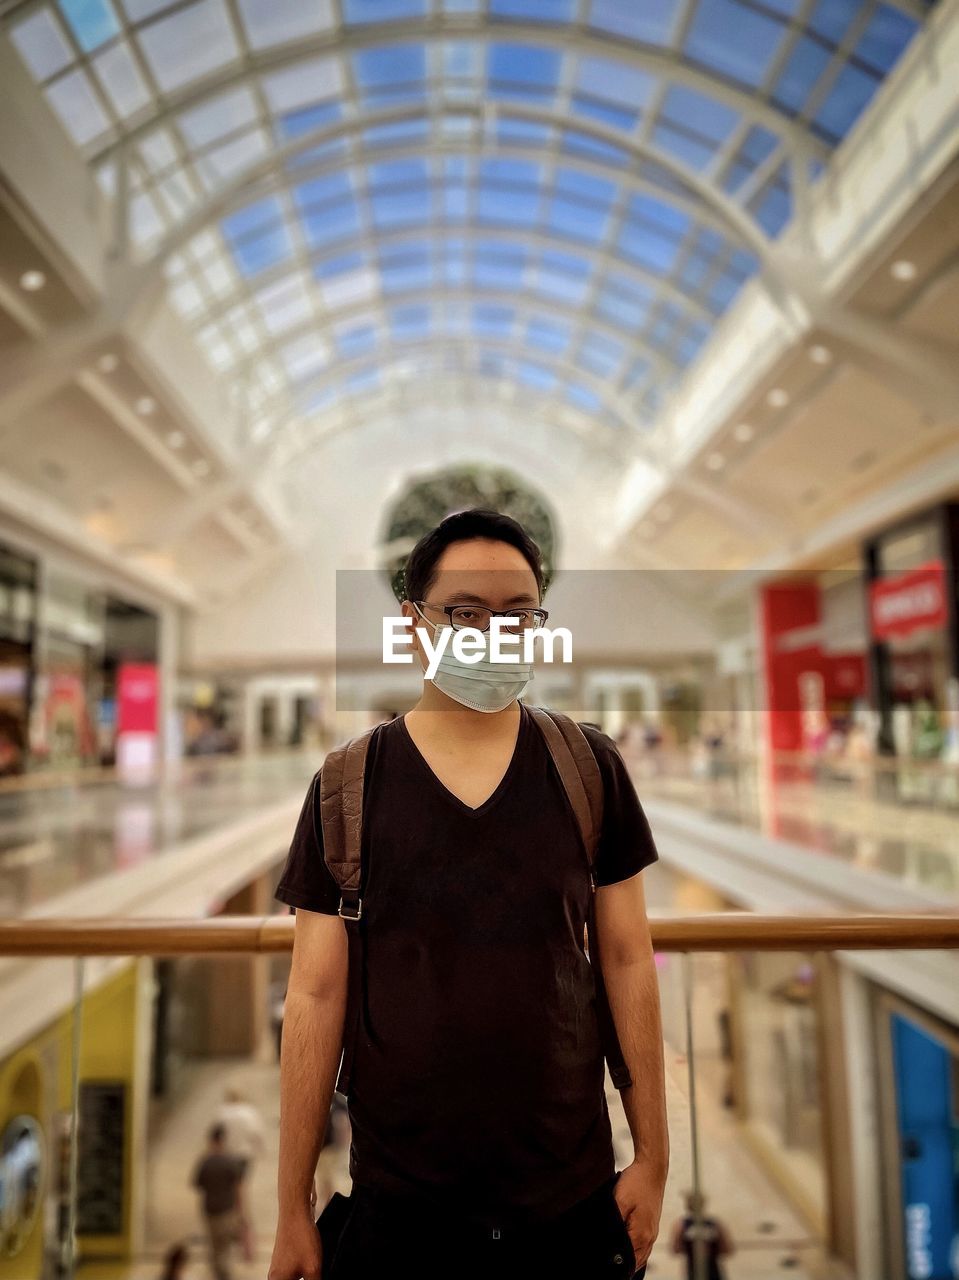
pixel 500 787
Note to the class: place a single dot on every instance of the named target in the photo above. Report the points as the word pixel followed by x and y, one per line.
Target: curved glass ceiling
pixel 562 196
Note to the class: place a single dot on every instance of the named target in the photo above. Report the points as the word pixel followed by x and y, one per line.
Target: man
pixel 481 1141
pixel 243 1139
pixel 219 1176
pixel 702 1238
pixel 243 1127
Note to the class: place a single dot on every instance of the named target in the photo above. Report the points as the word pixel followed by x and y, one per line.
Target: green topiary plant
pixel 428 500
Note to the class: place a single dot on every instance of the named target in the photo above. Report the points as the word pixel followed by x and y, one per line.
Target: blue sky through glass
pixel 553 221
pixel 649 21
pixel 93 21
pixel 734 39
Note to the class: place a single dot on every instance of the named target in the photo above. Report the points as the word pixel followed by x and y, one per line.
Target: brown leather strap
pixel 579 773
pixel 583 783
pixel 341 813
pixel 341 810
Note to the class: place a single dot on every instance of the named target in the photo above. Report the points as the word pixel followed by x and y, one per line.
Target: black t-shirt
pixel 218 1175
pixel 478 1077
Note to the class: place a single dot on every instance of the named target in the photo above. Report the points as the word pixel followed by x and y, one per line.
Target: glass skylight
pixel 519 201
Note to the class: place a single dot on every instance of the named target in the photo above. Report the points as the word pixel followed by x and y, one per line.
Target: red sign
pixel 913 601
pixel 137 697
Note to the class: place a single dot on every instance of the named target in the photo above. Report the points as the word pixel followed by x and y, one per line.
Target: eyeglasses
pixel 478 617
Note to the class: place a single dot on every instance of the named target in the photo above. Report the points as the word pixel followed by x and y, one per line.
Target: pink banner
pixel 137 697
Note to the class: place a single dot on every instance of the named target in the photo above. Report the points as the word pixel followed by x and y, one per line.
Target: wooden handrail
pixel 724 931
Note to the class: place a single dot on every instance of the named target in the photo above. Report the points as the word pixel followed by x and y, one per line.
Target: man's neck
pixel 438 717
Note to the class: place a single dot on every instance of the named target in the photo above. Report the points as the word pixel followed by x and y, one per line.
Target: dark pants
pixel 382 1236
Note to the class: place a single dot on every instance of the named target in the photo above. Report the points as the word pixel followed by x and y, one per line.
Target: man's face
pixel 481 572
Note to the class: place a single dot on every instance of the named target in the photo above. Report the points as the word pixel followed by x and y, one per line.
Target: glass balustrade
pixel 811 1094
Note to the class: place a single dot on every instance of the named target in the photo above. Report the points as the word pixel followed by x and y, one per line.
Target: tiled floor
pixel 770 1239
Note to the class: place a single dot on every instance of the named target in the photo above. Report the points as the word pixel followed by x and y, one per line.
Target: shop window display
pixel 18 597
pixel 915 657
pixel 779 1067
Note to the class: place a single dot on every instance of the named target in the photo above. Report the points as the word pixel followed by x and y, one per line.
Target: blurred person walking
pixel 703 1239
pixel 243 1127
pixel 245 1141
pixel 219 1178
pixel 481 1141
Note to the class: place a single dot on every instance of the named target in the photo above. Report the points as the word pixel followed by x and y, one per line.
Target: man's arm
pixel 309 1059
pixel 629 972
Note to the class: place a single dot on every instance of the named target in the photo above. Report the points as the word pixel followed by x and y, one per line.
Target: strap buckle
pixel 621 1077
pixel 351 910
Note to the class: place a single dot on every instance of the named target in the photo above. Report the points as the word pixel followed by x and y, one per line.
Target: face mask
pixel 484 685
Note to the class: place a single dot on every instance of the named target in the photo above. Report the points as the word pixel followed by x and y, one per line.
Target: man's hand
pixel 639 1193
pixel 297 1251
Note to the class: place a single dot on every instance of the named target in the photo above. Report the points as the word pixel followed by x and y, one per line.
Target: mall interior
pixel 674 283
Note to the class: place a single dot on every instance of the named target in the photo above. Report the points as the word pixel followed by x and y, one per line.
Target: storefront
pixel 95 656
pixel 128 694
pixel 814 676
pixel 35 1129
pixel 778 1061
pixel 70 640
pixel 18 607
pixel 919 1080
pixel 914 655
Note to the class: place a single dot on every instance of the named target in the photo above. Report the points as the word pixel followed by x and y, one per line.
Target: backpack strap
pixel 341 813
pixel 579 773
pixel 583 783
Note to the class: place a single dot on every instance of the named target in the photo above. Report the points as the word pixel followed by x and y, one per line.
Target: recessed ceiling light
pixel 777 398
pixel 32 281
pixel 820 354
pixel 108 362
pixel 201 467
pixel 903 269
pixel 715 462
pixel 176 439
pixel 145 405
pixel 743 432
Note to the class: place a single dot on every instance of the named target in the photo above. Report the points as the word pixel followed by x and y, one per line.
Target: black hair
pixel 461 527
